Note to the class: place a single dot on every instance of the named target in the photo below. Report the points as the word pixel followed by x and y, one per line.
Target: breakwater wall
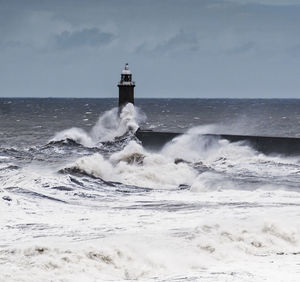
pixel 266 144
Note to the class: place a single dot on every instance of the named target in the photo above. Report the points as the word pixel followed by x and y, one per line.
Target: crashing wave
pixel 109 127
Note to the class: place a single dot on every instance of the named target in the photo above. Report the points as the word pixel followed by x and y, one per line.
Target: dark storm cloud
pixel 85 37
pixel 219 48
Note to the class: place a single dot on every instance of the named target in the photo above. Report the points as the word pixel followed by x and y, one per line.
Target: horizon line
pixel 164 98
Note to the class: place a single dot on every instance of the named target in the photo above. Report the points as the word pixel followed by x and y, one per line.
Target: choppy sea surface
pixel 82 200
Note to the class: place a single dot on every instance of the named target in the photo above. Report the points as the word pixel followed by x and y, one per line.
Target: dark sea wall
pixel 265 144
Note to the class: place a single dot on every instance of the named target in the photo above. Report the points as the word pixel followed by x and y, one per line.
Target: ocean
pixel 82 200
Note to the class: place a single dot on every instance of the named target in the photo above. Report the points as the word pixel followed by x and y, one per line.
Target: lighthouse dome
pixel 126 70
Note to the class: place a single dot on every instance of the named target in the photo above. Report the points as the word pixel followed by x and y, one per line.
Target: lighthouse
pixel 126 87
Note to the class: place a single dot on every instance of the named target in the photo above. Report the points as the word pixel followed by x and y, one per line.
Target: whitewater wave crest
pixel 200 162
pixel 109 126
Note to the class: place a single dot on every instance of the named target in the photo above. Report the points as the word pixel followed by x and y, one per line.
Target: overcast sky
pixel 175 48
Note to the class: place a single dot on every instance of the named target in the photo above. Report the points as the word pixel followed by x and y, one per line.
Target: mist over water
pixel 81 199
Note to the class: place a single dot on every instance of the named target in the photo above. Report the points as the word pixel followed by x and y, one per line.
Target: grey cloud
pixel 266 2
pixel 85 37
pixel 241 49
pixel 65 44
pixel 295 51
pixel 16 45
pixel 181 41
pixel 11 44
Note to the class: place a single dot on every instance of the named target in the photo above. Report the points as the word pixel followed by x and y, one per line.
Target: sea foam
pixel 109 126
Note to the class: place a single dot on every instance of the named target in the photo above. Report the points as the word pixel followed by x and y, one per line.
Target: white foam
pixel 238 222
pixel 215 235
pixel 76 134
pixel 97 166
pixel 202 162
pixel 206 241
pixel 109 126
pixel 135 166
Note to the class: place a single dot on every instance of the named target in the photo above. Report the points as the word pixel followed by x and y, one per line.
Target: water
pixel 82 200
